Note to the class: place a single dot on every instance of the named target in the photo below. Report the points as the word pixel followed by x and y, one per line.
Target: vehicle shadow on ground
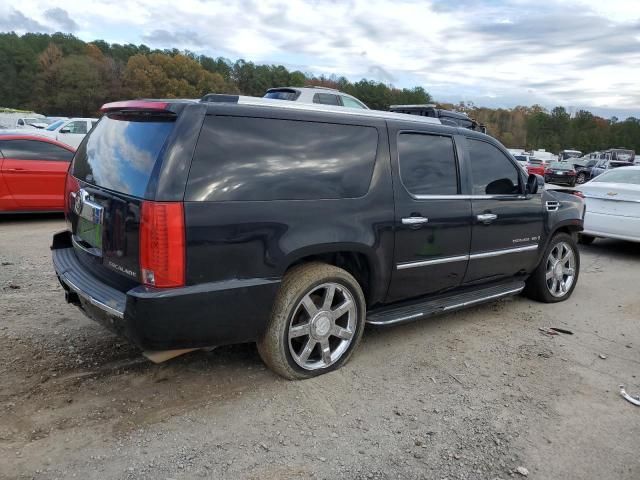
pixel 26 218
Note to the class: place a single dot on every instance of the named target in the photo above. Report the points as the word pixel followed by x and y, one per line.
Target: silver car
pixel 322 95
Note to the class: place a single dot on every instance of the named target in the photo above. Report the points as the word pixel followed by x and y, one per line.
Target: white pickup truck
pixel 22 120
pixel 70 131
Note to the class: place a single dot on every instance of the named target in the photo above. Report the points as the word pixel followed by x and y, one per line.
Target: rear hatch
pixel 112 194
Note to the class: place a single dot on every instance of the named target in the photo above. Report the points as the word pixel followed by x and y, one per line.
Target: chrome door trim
pixel 461 258
pixel 436 261
pixel 503 251
pixel 517 196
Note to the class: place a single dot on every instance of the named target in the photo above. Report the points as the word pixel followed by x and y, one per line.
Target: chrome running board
pixel 410 311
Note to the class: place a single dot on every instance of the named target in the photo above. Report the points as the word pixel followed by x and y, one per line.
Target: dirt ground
pixel 471 395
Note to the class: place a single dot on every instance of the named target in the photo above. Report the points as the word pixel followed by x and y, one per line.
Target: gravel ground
pixel 478 394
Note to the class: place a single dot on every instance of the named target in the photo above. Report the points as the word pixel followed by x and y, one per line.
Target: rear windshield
pixel 282 95
pixel 121 152
pixel 561 166
pixel 620 176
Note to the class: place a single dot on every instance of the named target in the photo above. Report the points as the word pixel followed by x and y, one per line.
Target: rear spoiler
pixel 135 105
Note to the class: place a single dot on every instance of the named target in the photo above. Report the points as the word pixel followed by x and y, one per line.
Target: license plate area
pixel 88 234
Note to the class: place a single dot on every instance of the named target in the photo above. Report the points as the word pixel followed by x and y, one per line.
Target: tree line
pixel 61 75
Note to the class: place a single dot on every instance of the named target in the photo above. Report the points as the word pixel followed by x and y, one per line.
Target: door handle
pixel 487 218
pixel 414 220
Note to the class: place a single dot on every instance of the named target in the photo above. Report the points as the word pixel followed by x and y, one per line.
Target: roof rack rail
pixel 322 88
pixel 313 107
pixel 447 117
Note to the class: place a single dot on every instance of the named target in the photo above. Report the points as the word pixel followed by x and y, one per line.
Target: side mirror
pixel 65 130
pixel 534 183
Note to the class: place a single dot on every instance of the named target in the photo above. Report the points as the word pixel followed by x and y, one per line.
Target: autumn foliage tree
pixel 162 76
pixel 59 74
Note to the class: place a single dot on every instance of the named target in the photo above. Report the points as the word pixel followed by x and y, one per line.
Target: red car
pixel 537 166
pixel 33 169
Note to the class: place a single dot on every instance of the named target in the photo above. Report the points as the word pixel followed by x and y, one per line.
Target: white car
pixel 70 131
pixel 612 205
pixel 17 121
pixel 321 95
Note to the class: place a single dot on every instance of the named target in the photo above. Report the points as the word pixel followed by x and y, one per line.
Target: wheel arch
pixel 360 261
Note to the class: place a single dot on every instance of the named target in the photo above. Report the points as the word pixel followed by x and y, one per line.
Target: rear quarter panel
pixel 261 239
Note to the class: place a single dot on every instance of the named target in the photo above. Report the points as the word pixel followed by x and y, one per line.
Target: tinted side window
pixel 326 99
pixel 493 173
pixel 240 158
pixel 34 150
pixel 427 164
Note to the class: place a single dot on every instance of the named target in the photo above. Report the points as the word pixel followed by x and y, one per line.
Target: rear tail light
pixel 547 170
pixel 578 193
pixel 571 173
pixel 162 244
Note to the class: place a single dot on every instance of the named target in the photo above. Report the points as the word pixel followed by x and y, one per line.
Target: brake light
pixel 548 170
pixel 578 193
pixel 71 184
pixel 571 173
pixel 134 105
pixel 162 244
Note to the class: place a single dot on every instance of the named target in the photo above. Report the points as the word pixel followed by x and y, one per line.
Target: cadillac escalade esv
pixel 202 223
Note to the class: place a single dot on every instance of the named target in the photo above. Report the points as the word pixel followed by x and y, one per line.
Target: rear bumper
pixel 209 314
pixel 568 179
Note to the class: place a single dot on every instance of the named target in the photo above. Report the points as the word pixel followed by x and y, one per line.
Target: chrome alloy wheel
pixel 561 269
pixel 322 326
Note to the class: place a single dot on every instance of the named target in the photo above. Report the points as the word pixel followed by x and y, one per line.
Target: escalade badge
pixel 79 200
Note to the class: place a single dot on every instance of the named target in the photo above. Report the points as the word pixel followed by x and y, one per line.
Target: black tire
pixel 300 281
pixel 581 178
pixel 585 239
pixel 536 286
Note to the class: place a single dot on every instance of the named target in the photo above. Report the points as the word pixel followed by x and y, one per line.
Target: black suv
pixel 203 223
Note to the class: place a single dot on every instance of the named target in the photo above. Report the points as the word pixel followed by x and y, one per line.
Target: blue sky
pixel 497 53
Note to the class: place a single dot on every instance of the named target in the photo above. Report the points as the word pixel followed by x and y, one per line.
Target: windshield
pixel 121 152
pixel 55 125
pixel 620 176
pixel 520 158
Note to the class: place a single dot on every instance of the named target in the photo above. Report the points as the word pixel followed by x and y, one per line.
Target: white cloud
pixel 584 53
